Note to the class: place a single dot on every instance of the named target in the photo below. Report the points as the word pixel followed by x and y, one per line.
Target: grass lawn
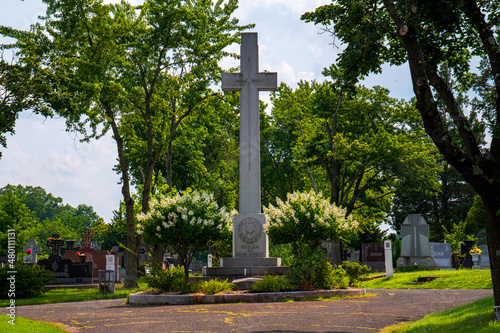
pixel 475 317
pixel 74 295
pixel 448 279
pixel 23 325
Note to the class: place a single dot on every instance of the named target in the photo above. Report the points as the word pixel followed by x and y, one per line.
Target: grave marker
pixel 373 256
pixel 34 249
pixel 415 249
pixel 441 252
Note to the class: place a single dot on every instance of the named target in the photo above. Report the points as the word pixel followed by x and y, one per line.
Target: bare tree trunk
pixel 132 242
pixel 492 234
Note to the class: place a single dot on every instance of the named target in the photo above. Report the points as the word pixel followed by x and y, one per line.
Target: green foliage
pixel 168 280
pixel 272 283
pixel 212 287
pixel 355 272
pixel 457 235
pixel 340 278
pixel 312 271
pixel 34 213
pixel 186 223
pixel 283 251
pixel 29 281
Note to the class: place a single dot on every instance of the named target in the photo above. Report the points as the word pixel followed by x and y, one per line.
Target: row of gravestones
pixel 417 250
pixel 72 264
pixel 373 255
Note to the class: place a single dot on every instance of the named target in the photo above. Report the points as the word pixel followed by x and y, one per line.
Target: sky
pixel 42 153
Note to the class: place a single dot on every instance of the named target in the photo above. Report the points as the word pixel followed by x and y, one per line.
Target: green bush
pixel 29 280
pixel 214 286
pixel 270 283
pixel 168 280
pixel 340 279
pixel 355 272
pixel 313 271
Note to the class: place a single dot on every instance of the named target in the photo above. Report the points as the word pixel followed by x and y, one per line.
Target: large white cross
pixel 249 82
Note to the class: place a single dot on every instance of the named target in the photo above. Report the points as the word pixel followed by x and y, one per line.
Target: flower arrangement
pixel 82 254
pixel 28 251
pixel 476 250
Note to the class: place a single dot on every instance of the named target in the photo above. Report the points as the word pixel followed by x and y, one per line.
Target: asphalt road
pixel 369 314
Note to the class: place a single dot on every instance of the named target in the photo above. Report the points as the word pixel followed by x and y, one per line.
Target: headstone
pixel 209 260
pixel 354 256
pixel 388 259
pixel 333 252
pixel 484 260
pixel 31 249
pixel 465 247
pixel 96 257
pixel 196 267
pixel 373 256
pixel 415 248
pixel 66 271
pixel 441 253
pixel 110 262
pixel 250 242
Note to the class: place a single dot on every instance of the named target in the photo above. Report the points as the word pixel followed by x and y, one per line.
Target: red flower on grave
pixel 78 253
pixel 28 251
pixel 86 254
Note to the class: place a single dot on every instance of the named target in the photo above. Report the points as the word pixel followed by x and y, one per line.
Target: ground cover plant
pixel 448 279
pixel 212 287
pixel 272 283
pixel 475 317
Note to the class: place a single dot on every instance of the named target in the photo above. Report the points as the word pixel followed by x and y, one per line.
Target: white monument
pixel 250 242
pixel 415 248
pixel 388 259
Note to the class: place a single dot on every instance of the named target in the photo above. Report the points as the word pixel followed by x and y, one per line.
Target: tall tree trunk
pixel 493 237
pixel 132 242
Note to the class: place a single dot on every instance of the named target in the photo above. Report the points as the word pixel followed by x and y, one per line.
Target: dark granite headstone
pixel 464 249
pixel 373 256
pixel 66 271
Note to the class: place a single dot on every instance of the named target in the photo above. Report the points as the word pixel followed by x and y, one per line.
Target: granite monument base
pixel 422 262
pixel 247 266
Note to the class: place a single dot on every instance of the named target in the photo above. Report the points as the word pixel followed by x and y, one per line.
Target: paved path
pixel 368 314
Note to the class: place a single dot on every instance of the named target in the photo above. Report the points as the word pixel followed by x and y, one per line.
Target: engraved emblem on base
pixel 250 240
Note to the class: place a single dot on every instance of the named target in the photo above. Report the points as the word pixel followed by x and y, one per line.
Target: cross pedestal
pixel 250 242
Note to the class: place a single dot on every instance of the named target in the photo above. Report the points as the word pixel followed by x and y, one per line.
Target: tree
pixel 19 91
pixel 187 222
pixel 358 148
pixel 106 63
pixel 429 35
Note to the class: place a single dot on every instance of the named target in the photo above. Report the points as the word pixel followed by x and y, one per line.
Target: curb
pixel 169 299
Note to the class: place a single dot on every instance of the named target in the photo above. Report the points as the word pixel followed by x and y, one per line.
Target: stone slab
pixel 250 261
pixel 245 271
pixel 484 260
pixel 239 298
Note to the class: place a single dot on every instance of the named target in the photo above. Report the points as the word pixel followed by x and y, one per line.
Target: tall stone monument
pixel 415 248
pixel 250 242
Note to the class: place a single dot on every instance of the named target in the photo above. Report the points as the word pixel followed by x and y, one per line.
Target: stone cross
pixel 249 82
pixel 87 235
pixel 55 243
pixel 32 257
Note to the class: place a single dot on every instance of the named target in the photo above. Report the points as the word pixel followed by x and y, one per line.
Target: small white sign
pixel 110 262
pixel 209 260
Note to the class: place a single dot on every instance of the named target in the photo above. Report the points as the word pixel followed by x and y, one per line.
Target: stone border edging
pixel 169 299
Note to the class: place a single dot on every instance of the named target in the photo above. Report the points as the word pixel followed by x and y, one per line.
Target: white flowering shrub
pixel 307 218
pixel 186 222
